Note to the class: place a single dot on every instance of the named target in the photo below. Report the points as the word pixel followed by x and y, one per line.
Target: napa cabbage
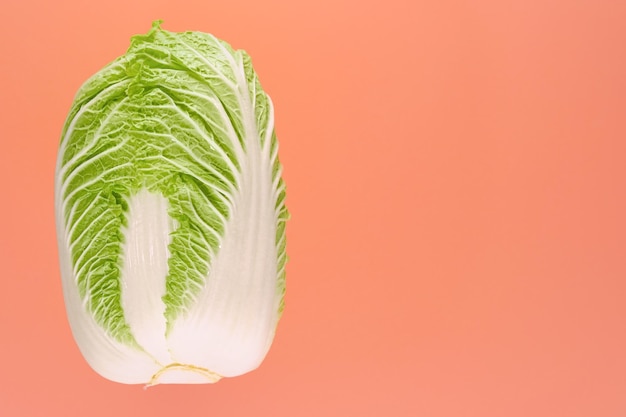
pixel 170 213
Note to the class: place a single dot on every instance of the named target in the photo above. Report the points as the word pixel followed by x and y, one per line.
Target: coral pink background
pixel 456 174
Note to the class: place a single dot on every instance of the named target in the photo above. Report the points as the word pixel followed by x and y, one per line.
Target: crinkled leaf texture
pixel 170 213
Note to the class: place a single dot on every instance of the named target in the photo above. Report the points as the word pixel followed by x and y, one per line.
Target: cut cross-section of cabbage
pixel 170 212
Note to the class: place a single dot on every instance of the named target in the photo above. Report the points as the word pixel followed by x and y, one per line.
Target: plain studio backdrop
pixel 456 175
